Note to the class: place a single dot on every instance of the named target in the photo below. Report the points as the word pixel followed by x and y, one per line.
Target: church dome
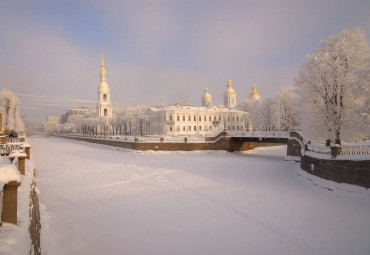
pixel 254 95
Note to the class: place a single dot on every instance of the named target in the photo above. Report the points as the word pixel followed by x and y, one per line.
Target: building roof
pixel 190 108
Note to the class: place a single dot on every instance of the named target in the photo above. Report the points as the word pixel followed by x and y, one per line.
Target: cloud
pixel 162 51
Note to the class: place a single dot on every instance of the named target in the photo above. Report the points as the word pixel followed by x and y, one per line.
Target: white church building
pixel 177 120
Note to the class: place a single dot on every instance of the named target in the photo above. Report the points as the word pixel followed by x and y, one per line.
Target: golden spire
pixel 102 59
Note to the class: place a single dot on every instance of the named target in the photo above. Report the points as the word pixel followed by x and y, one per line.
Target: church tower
pixel 254 95
pixel 206 99
pixel 229 96
pixel 104 106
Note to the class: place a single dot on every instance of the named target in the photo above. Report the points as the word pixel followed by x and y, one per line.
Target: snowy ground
pixel 104 200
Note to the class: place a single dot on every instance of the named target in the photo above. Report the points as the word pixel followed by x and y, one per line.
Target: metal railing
pixel 345 149
pixel 5 149
pixel 262 134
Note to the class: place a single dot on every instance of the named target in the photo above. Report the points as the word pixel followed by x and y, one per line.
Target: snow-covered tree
pixel 10 110
pixel 331 88
pixel 263 116
pixel 286 109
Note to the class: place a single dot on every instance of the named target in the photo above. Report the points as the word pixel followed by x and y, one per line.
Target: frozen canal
pixel 103 200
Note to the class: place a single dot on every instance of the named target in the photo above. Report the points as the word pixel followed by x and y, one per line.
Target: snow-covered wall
pixel 355 172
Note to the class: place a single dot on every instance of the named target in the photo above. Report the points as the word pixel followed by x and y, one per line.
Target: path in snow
pixel 102 200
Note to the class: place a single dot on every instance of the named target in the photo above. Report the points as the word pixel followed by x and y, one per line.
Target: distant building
pixel 254 95
pixel 52 121
pixel 193 120
pixel 82 111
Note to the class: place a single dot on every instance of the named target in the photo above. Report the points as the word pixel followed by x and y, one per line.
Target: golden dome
pixel 103 85
pixel 229 83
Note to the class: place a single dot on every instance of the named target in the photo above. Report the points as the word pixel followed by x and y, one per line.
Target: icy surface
pixel 103 200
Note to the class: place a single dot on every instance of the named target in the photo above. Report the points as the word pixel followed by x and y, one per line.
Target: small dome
pixel 103 85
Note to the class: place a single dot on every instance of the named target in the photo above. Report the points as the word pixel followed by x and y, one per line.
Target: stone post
pixel 335 150
pixel 9 212
pixel 28 152
pixel 21 164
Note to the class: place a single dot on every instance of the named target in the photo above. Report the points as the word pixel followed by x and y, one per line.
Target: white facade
pixel 51 122
pixel 229 96
pixel 104 106
pixel 177 120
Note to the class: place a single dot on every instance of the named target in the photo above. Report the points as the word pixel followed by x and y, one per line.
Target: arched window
pixel 105 112
pixel 105 98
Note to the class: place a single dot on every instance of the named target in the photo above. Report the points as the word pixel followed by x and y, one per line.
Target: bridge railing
pixel 262 134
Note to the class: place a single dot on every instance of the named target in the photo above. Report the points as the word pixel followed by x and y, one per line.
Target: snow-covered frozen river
pixel 104 200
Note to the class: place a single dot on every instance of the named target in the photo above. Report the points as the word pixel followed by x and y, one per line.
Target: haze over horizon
pixel 160 52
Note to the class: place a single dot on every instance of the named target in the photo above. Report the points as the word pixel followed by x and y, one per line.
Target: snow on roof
pixel 8 173
pixel 190 108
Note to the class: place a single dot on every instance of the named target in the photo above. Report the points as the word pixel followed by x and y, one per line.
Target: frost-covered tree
pixel 286 110
pixel 10 111
pixel 263 116
pixel 331 88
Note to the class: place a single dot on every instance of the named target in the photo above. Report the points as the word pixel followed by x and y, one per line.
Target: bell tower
pixel 206 99
pixel 104 106
pixel 229 96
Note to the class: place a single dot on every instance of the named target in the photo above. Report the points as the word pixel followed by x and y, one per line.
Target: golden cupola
pixel 254 95
pixel 207 98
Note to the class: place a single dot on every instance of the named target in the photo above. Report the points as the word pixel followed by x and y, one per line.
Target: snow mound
pixel 9 173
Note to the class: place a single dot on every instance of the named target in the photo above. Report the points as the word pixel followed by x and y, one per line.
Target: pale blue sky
pixel 161 51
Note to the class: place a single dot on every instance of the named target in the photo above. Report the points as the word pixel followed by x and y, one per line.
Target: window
pixel 183 128
pixel 219 118
pixel 171 119
pixel 195 118
pixel 205 118
pixel 228 118
pixel 183 118
pixel 195 128
pixel 200 128
pixel 210 128
pixel 237 127
pixel 200 118
pixel 178 117
pixel 233 128
pixel 189 118
pixel 214 118
pixel 105 112
pixel 189 128
pixel 233 119
pixel 228 128
pixel 105 97
pixel 171 128
pixel 210 118
pixel 237 118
